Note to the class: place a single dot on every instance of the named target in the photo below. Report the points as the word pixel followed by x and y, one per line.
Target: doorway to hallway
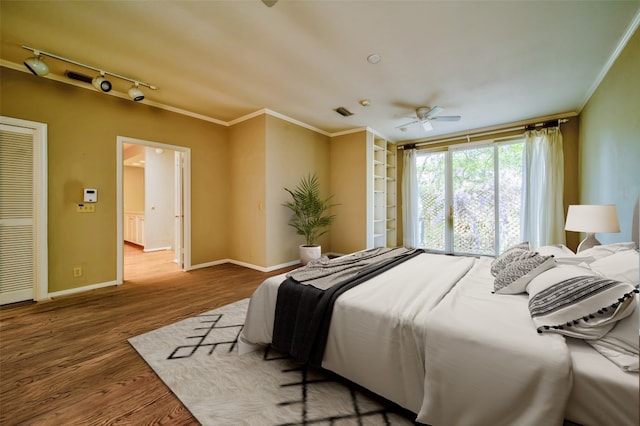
pixel 153 214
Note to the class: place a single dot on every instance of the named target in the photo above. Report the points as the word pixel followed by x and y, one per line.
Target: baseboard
pixel 207 264
pixel 146 250
pixel 246 265
pixel 262 268
pixel 80 289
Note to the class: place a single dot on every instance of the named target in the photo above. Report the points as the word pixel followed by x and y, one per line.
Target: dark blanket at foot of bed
pixel 303 312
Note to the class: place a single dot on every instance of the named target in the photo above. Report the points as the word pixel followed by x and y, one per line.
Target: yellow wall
pixel 349 187
pixel 610 141
pixel 247 196
pixel 82 129
pixel 292 152
pixel 133 189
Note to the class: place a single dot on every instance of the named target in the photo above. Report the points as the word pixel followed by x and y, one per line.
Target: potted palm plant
pixel 310 215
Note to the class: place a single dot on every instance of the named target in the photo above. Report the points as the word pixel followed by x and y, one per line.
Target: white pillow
pixel 598 252
pixel 558 250
pixel 621 266
pixel 555 275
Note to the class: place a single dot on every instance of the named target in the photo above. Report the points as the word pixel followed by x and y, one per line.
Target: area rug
pixel 198 360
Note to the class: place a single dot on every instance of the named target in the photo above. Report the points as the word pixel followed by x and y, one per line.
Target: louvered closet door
pixel 17 221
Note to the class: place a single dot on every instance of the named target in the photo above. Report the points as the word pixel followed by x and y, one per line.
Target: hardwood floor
pixel 68 361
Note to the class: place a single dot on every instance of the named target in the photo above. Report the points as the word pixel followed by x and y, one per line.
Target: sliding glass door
pixel 470 198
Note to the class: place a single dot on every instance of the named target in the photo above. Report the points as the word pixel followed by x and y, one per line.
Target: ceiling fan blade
pixel 446 118
pixel 434 111
pixel 408 124
pixel 426 125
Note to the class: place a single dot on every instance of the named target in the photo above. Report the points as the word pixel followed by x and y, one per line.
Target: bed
pixel 439 336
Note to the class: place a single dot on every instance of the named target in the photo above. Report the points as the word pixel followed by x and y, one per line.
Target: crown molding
pixel 622 43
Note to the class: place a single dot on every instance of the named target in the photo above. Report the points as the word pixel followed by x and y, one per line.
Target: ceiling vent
pixel 343 111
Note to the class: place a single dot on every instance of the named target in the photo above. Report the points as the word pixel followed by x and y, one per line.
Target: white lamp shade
pixel 592 218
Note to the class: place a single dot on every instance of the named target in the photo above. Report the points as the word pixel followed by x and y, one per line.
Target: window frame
pixel 448 170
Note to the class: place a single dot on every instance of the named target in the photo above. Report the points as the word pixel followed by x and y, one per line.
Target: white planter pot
pixel 308 253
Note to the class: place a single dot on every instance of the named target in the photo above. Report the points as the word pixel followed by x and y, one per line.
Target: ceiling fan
pixel 425 115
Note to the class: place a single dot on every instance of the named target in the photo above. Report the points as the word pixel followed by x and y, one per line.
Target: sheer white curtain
pixel 542 188
pixel 410 235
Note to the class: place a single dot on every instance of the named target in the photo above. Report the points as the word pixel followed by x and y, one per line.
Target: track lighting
pixel 135 93
pixel 101 83
pixel 36 65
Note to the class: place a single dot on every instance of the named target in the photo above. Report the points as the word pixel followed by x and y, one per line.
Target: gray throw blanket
pixel 324 273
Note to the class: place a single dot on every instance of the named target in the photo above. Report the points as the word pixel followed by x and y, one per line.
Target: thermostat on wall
pixel 90 195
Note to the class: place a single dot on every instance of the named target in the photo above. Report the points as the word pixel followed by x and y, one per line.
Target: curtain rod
pixel 527 127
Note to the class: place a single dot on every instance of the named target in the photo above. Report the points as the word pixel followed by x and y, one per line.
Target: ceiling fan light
pixel 136 94
pixel 36 65
pixel 101 83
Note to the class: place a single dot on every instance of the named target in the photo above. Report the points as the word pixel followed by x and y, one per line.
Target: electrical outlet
pixel 77 271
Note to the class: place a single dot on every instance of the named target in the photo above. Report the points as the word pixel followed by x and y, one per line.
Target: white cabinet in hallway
pixel 134 228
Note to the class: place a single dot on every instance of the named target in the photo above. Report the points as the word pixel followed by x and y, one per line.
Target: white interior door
pixel 179 210
pixel 23 263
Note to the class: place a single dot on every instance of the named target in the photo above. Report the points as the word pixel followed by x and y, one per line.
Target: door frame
pixel 186 199
pixel 40 183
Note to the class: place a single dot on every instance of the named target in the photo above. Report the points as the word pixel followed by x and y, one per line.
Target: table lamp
pixel 591 218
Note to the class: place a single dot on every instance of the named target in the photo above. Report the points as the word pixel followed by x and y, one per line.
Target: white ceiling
pixel 490 62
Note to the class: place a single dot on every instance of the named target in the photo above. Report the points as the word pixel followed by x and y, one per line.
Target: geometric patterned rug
pixel 197 358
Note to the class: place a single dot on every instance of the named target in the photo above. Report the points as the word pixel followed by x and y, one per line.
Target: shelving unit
pixel 384 193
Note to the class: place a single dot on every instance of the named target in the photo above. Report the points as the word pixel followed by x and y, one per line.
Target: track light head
pixel 101 83
pixel 36 65
pixel 135 93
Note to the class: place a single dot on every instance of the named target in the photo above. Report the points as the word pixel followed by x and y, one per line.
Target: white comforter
pixel 420 336
pixel 487 365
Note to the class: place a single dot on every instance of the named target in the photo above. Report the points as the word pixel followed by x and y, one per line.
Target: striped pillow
pixel 502 261
pixel 513 279
pixel 584 306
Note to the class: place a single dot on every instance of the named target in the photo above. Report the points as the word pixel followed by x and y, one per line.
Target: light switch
pixel 85 208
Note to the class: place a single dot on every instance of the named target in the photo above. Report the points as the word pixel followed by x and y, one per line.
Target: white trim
pixel 41 201
pixel 82 289
pixel 246 265
pixel 144 250
pixel 262 268
pixel 297 122
pixel 208 264
pixel 622 43
pixel 120 141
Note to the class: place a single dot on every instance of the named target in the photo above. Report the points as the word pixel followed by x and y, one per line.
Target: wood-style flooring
pixel 68 362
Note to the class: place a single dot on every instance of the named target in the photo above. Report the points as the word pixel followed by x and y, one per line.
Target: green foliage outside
pixel 473 217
